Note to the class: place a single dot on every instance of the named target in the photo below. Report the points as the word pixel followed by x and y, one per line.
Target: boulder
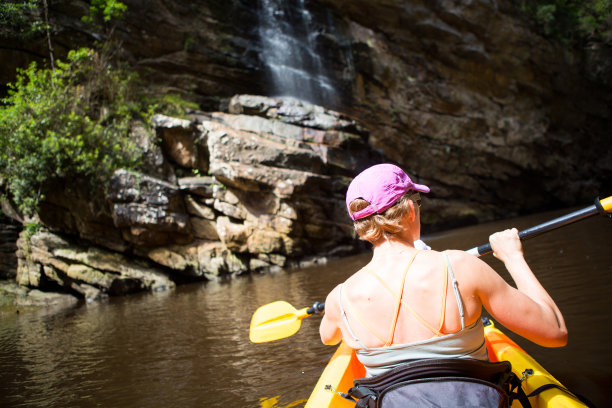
pixel 132 187
pixel 265 242
pixel 204 229
pixel 179 142
pixel 91 272
pixel 199 186
pixel 233 235
pixel 205 259
pixel 297 112
pixel 23 298
pixel 198 209
pixel 147 210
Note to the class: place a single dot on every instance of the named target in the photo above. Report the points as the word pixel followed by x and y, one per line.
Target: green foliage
pixel 20 19
pixel 32 228
pixel 573 21
pixel 71 122
pixel 11 12
pixel 105 10
pixel 168 104
pixel 188 44
pixel 23 19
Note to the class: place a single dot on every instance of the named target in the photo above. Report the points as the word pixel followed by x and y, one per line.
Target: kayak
pixel 344 367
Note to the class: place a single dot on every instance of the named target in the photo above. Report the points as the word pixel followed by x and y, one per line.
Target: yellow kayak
pixel 344 367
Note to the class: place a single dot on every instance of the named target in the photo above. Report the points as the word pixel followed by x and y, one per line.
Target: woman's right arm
pixel 329 329
pixel 528 309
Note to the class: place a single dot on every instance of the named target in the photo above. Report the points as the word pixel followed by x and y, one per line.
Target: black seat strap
pixel 562 388
pixel 517 392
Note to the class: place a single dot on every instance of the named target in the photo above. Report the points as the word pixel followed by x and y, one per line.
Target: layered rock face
pixel 259 188
pixel 495 118
pixel 464 95
pixel 486 111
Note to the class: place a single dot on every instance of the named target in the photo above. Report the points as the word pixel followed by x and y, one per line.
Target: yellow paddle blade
pixel 275 321
pixel 606 203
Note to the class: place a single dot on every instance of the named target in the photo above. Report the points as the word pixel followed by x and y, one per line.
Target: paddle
pixel 279 320
pixel 603 207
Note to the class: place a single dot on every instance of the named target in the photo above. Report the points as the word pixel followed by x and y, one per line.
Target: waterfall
pixel 289 52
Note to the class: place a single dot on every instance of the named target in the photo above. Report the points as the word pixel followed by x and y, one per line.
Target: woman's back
pixel 430 307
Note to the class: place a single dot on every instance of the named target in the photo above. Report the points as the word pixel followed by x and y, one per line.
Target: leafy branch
pixel 71 122
pixel 572 21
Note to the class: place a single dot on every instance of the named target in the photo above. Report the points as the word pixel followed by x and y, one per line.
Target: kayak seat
pixel 452 382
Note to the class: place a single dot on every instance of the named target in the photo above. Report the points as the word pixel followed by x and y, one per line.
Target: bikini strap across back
pixel 343 298
pixel 448 275
pixel 437 332
pixel 398 301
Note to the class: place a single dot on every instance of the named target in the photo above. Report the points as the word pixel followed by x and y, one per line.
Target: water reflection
pixel 190 348
pixel 273 403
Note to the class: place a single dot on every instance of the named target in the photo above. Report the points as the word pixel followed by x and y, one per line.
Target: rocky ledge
pixel 15 299
pixel 222 194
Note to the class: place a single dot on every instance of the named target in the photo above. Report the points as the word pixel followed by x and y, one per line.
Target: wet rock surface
pixel 15 298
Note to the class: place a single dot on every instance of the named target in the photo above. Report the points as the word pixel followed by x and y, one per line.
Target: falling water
pixel 295 67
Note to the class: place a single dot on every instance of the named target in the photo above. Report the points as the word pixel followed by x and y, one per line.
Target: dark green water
pixel 190 348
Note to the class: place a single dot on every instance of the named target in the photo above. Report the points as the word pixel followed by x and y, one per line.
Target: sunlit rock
pixel 272 196
pixel 233 235
pixel 48 259
pixel 179 142
pixel 265 241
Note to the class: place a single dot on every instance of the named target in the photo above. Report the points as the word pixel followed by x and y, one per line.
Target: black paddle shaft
pixel 318 307
pixel 550 225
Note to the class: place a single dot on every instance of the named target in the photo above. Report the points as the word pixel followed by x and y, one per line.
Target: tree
pixel 72 120
pixel 23 19
pixel 573 21
pixel 67 123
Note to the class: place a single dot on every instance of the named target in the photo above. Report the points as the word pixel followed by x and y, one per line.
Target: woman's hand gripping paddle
pixel 603 207
pixel 278 320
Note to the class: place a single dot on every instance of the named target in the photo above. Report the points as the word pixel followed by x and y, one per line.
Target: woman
pixel 408 304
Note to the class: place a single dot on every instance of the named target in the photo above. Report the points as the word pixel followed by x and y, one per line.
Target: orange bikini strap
pixel 349 305
pixel 437 333
pixel 399 301
pixel 443 312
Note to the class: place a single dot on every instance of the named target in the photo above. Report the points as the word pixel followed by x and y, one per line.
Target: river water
pixel 190 348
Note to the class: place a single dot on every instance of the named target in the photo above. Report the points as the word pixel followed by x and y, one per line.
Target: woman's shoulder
pixel 466 267
pixel 358 280
pixel 461 257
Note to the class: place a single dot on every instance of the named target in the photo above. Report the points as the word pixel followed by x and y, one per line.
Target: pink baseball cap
pixel 381 186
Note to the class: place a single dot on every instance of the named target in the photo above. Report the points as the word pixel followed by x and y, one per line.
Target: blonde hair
pixel 376 226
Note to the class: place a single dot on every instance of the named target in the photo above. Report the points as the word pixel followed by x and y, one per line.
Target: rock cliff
pixel 256 189
pixel 464 95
